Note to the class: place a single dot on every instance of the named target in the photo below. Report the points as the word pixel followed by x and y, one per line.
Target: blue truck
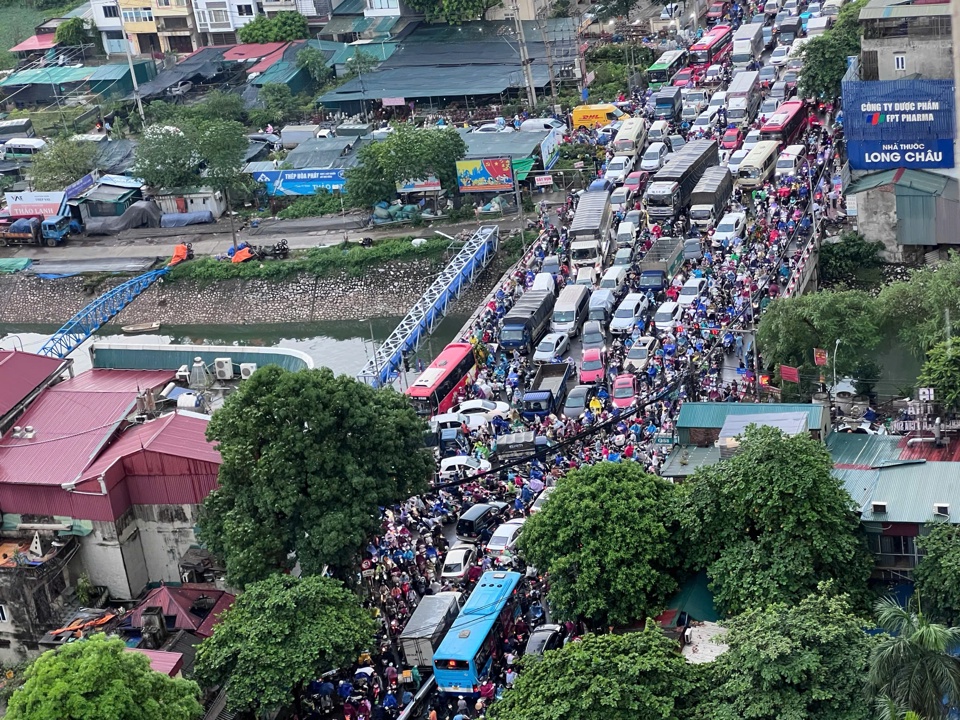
pixel 527 321
pixel 547 392
pixel 35 230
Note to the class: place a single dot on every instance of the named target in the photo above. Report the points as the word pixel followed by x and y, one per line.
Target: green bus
pixel 667 65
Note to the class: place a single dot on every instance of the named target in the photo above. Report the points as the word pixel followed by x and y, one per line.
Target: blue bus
pixel 475 638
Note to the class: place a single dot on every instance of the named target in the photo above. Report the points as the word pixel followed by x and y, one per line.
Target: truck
pixel 590 230
pixel 668 194
pixel 660 263
pixel 710 196
pixel 547 392
pixel 517 446
pixel 527 320
pixel 427 626
pixel 747 45
pixel 36 231
pixel 667 103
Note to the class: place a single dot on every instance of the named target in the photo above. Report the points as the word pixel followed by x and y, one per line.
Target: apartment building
pixel 106 18
pixel 219 20
pixel 176 26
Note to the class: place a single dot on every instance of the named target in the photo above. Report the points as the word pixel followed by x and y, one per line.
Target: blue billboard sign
pixel 899 124
pixel 300 182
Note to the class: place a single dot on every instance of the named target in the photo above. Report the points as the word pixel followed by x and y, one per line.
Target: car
pixel 593 335
pixel 550 264
pixel 623 258
pixel 734 161
pixel 543 496
pixel 692 249
pixel 608 133
pixel 794 63
pixel 544 639
pixel 732 139
pixel 618 169
pixel 812 11
pixel 717 100
pixel 624 392
pixel 768 75
pixel 452 468
pixel 675 143
pixel 792 7
pixel 780 55
pixel 456 420
pixel 621 196
pixel 494 128
pixel 593 366
pixel 730 226
pixel 458 561
pixel 713 76
pixel 717 10
pixel 635 217
pixel 778 20
pixel 504 539
pixel 553 345
pixel 689 112
pixel 654 157
pixel 707 119
pixel 637 181
pixel 577 400
pixel 640 354
pixel 791 78
pixel 768 107
pixel 692 289
pixel 671 10
pixel 488 409
pixel 759 19
pixel 628 312
pixel 750 141
pixel 181 88
pixel 683 77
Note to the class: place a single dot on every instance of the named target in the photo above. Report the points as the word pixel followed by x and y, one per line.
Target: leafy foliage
pixel 941 371
pixel 173 157
pixel 937 576
pixel 841 262
pixel 323 202
pixel 453 11
pixel 282 27
pixel 794 662
pixel 97 678
pixel 912 666
pixel 408 153
pixel 771 522
pixel 578 539
pixel 72 33
pixel 307 459
pixel 635 676
pixel 222 144
pixel 316 64
pixel 279 106
pixel 825 56
pixel 216 105
pixel 62 162
pixel 281 633
pixel 361 63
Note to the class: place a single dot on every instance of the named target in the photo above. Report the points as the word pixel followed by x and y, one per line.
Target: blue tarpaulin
pixel 171 220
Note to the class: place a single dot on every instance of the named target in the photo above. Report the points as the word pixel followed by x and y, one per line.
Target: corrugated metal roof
pixel 950 452
pixel 713 414
pixel 684 460
pixel 36 42
pixel 161 661
pixel 104 380
pixel 512 145
pixel 171 357
pixel 114 71
pixel 912 490
pixel 177 602
pixel 790 423
pixel 381 51
pixel 21 373
pixel 350 7
pixel 281 72
pixel 858 483
pixel 863 452
pixel 47 76
pixel 360 24
pixel 882 10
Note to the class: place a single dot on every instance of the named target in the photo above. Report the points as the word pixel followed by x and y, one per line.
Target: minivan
pixel 587 276
pixel 601 306
pixel 614 279
pixel 570 312
pixel 658 131
pixel 479 518
pixel 667 316
pixel 541 124
pixel 790 159
pixel 626 235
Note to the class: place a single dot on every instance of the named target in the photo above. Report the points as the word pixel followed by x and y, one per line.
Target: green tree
pixel 635 676
pixel 912 666
pixel 73 33
pixel 217 105
pixel 825 56
pixel 167 157
pixel 794 662
pixel 453 11
pixel 843 261
pixel 278 106
pixel 99 678
pixel 280 634
pixel 923 308
pixel 362 63
pixel 308 458
pixel 282 27
pixel 941 371
pixel 578 539
pixel 937 577
pixel 771 522
pixel 408 153
pixel 316 64
pixel 62 162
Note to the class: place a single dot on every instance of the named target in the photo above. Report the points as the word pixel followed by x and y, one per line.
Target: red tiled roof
pixel 163 661
pixel 37 42
pixel 175 602
pixel 20 374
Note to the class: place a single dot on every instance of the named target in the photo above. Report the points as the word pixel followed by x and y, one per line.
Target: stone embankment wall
pixel 385 291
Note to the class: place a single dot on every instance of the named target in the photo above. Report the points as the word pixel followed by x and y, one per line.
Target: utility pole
pixel 549 51
pixel 133 74
pixel 525 57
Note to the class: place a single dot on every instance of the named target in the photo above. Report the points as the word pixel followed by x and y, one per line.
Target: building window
pixel 869 68
pixel 899 61
pixel 245 10
pixel 383 4
pixel 219 16
pixel 132 15
pixel 114 34
pixel 3 613
pixel 110 11
pixel 163 3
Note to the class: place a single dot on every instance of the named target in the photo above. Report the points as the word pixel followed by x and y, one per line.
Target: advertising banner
pixel 550 149
pixel 431 183
pixel 899 124
pixel 300 182
pixel 47 204
pixel 81 186
pixel 492 175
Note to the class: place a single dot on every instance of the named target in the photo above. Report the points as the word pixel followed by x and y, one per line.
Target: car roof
pixel 695 281
pixel 624 379
pixel 592 352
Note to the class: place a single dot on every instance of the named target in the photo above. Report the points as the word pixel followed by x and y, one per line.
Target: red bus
pixel 435 391
pixel 711 48
pixel 787 123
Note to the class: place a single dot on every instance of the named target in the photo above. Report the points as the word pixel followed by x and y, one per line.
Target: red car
pixel 593 366
pixel 732 139
pixel 624 393
pixel 717 11
pixel 684 78
pixel 636 182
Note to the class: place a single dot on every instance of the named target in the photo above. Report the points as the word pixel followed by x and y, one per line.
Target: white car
pixel 780 55
pixel 607 133
pixel 494 128
pixel 734 162
pixel 457 562
pixel 814 9
pixel 461 465
pixel 768 107
pixel 621 196
pixel 618 169
pixel 488 409
pixel 707 119
pixel 628 312
pixel 691 290
pixel 792 7
pixel 504 539
pixel 552 346
pixel 455 420
pixel 655 156
pixel 640 354
pixel 730 226
pixel 751 140
pixel 541 499
pixel 669 11
pixel 714 75
pixel 718 100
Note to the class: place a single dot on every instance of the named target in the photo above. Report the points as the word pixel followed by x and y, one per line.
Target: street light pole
pixel 835 349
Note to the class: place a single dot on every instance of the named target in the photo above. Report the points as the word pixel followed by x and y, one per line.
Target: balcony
pixel 171 8
pixel 270 6
pixel 175 25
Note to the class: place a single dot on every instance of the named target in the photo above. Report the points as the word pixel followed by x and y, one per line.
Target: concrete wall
pixel 166 533
pixel 877 220
pixel 930 57
pixel 103 559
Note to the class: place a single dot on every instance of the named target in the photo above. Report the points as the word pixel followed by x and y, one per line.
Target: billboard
pixel 550 149
pixel 492 175
pixel 47 204
pixel 300 182
pixel 81 186
pixel 899 124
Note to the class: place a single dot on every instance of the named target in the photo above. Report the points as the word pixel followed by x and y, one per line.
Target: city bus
pixel 467 650
pixel 667 65
pixel 711 48
pixel 787 124
pixel 435 391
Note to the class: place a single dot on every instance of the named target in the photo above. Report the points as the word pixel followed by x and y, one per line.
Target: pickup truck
pixel 547 392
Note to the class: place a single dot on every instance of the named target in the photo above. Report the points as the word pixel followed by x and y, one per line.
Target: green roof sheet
pixel 514 145
pixel 860 484
pixel 381 51
pixel 863 452
pixel 522 167
pixel 904 179
pixel 350 7
pixel 115 71
pixel 171 357
pixel 694 598
pixel 282 71
pixel 684 460
pixel 47 76
pixel 341 24
pixel 713 414
pixel 911 491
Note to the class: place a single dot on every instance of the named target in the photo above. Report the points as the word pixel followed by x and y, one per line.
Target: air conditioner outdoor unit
pixel 878 507
pixel 224 368
pixel 941 509
pixel 183 374
pixel 247 370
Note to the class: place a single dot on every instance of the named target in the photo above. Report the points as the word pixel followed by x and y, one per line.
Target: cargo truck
pixel 747 45
pixel 427 626
pixel 36 231
pixel 547 391
pixel 668 194
pixel 589 232
pixel 709 198
pixel 660 263
pixel 527 320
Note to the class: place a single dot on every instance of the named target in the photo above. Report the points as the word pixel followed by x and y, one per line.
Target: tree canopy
pixel 941 371
pixel 171 156
pixel 634 676
pixel 937 577
pixel 280 634
pixel 408 153
pixel 308 458
pixel 794 662
pixel 923 308
pixel 61 163
pixel 608 541
pixel 453 11
pixel 282 27
pixel 771 522
pixel 73 33
pixel 842 262
pixel 825 56
pixel 315 62
pixel 99 678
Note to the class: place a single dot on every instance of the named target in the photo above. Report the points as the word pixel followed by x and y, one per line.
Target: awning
pixel 37 42
pixel 924 182
pixel 522 167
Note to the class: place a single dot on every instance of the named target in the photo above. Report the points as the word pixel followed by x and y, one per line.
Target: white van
pixel 614 279
pixel 626 234
pixel 789 161
pixel 541 124
pixel 587 276
pixel 818 26
pixel 571 310
pixel 658 131
pixel 544 281
pixel 667 316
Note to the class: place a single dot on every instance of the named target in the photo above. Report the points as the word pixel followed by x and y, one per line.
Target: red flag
pixel 789 374
pixel 820 356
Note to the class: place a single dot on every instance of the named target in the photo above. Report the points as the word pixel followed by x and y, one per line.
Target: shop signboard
pixel 550 149
pixel 490 175
pixel 47 204
pixel 300 182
